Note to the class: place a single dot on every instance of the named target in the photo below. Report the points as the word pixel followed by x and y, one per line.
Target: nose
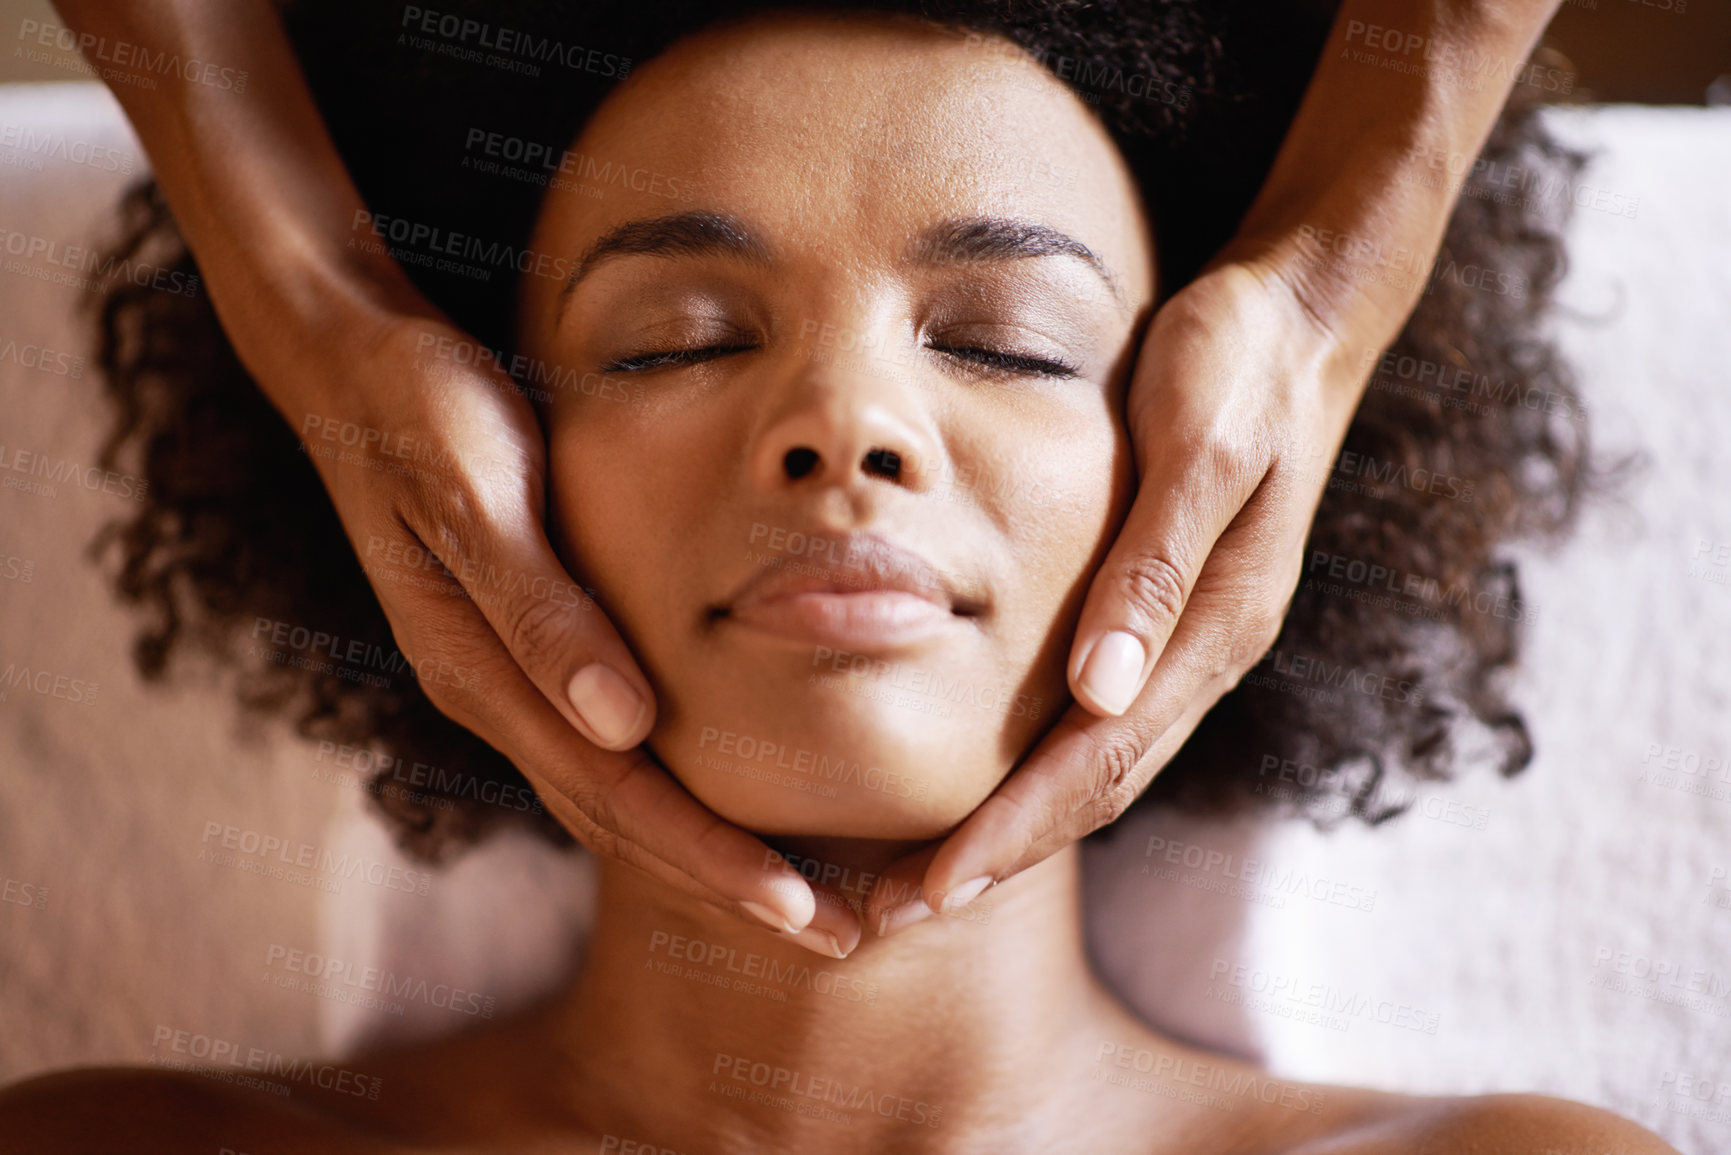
pixel 842 427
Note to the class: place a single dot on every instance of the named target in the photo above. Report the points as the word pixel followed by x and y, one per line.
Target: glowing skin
pixel 860 360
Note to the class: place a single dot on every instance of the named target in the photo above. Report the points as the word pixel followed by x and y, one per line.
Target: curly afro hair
pixel 1371 679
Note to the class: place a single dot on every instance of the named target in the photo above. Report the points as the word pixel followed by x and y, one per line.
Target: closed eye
pixel 669 357
pixel 1006 362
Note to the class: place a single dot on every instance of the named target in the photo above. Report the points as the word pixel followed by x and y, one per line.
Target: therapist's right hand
pixel 439 477
pixel 339 339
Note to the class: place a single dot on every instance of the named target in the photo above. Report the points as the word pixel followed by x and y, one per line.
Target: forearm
pixel 1406 93
pixel 257 187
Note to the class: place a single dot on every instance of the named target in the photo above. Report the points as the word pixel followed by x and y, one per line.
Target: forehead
pixel 852 131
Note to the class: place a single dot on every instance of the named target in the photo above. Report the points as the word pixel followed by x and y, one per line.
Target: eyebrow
pixel 701 232
pixel 689 234
pixel 966 239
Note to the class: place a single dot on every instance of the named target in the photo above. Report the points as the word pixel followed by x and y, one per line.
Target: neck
pixel 687 1026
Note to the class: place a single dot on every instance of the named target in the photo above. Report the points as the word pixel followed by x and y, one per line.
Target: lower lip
pixel 855 621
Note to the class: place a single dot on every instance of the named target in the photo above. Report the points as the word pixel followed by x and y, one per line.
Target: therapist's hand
pixel 1239 402
pixel 436 464
pixel 439 461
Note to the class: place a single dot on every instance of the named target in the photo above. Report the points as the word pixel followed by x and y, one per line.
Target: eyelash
pixel 994 360
pixel 990 360
pixel 638 362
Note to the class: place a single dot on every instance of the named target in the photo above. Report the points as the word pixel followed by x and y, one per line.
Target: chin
pixel 821 762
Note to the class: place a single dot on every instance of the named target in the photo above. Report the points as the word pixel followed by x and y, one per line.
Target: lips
pixel 858 592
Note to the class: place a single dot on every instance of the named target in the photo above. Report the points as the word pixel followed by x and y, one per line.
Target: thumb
pixel 1182 506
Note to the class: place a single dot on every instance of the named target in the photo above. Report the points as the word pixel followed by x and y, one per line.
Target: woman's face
pixel 841 440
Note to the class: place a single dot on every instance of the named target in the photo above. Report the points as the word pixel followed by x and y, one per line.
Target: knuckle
pixel 536 632
pixel 1259 636
pixel 449 517
pixel 1117 781
pixel 1233 455
pixel 1153 587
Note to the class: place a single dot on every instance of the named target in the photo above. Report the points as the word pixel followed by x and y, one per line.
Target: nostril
pixel 884 463
pixel 799 462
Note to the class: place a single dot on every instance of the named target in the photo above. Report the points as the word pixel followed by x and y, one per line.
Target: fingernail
pixel 965 893
pixel 901 917
pixel 820 941
pixel 770 918
pixel 606 703
pixel 1113 669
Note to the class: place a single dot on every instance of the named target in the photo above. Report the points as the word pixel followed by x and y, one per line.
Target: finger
pixel 623 805
pixel 835 926
pixel 1136 600
pixel 897 899
pixel 553 630
pixel 648 819
pixel 1081 776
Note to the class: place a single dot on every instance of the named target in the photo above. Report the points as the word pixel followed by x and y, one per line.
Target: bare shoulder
pixel 154 1112
pixel 1493 1125
pixel 1537 1124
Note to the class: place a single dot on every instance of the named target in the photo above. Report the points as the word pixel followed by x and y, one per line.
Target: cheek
pixel 618 515
pixel 1062 506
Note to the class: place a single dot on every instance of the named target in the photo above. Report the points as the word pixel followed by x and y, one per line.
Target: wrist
pixel 1332 351
pixel 297 309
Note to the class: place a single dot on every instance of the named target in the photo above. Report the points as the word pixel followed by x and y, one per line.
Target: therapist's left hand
pixel 1238 404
